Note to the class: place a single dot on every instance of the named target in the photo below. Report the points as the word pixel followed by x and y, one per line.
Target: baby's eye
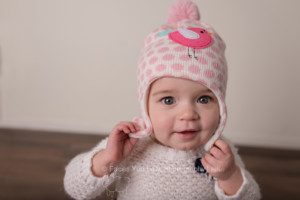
pixel 168 100
pixel 204 99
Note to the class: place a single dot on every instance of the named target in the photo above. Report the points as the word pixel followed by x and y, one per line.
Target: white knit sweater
pixel 152 171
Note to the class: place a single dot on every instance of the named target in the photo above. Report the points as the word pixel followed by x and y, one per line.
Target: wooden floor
pixel 32 165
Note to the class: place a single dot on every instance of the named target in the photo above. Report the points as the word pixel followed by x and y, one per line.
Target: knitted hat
pixel 186 48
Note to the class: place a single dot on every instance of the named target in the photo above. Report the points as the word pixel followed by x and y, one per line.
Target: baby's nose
pixel 189 113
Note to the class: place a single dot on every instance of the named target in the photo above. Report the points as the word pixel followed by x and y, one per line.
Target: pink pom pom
pixel 183 9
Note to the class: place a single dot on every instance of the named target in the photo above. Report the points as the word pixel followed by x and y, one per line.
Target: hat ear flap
pixel 211 142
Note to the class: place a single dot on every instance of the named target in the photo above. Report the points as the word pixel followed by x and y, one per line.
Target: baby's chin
pixel 186 147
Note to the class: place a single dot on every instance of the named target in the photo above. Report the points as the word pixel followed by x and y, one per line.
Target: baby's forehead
pixel 174 84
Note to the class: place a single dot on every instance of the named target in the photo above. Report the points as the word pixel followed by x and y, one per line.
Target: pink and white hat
pixel 187 48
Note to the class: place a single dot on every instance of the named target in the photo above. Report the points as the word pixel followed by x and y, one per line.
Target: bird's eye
pixel 204 99
pixel 202 31
pixel 167 100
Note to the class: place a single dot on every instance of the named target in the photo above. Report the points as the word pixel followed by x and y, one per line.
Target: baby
pixel 175 150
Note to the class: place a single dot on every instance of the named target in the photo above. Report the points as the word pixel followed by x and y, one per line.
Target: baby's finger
pixel 136 126
pixel 118 133
pixel 210 159
pixel 216 152
pixel 206 165
pixel 123 128
pixel 126 129
pixel 223 146
pixel 132 127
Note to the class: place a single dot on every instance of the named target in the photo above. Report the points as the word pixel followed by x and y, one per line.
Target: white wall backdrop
pixel 69 65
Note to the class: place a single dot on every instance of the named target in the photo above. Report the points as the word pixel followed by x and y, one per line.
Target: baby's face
pixel 184 114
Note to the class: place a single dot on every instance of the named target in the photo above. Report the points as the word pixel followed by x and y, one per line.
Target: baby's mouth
pixel 188 131
pixel 188 134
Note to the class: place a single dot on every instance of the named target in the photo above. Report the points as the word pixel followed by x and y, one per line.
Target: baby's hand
pixel 219 161
pixel 119 144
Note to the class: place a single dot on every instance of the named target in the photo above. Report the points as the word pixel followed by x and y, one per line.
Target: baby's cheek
pixel 162 125
pixel 210 121
pixel 162 122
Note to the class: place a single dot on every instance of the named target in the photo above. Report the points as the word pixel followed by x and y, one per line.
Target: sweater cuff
pixel 92 180
pixel 239 194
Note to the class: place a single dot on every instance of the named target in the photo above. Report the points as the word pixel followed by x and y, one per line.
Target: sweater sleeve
pixel 79 181
pixel 249 189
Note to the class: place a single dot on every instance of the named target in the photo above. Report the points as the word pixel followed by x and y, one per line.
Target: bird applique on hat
pixel 195 38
